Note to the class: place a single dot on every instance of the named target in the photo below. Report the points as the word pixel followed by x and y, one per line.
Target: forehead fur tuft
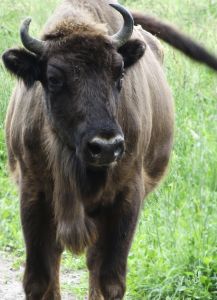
pixel 67 28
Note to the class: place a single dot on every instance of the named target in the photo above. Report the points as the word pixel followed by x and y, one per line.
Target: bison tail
pixel 175 38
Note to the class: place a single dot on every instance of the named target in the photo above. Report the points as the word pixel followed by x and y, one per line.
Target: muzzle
pixel 101 151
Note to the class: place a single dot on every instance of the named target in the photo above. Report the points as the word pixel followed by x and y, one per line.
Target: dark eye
pixel 54 82
pixel 55 78
pixel 119 82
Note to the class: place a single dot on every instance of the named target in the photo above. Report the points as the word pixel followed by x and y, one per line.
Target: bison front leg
pixel 107 262
pixel 94 260
pixel 41 278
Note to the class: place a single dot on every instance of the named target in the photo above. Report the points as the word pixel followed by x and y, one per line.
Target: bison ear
pixel 23 64
pixel 132 51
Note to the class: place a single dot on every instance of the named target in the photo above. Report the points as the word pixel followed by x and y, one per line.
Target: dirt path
pixel 10 281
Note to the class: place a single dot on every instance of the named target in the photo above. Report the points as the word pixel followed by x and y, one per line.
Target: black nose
pixel 102 151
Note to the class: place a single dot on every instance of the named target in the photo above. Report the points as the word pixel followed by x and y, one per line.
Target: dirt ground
pixel 11 286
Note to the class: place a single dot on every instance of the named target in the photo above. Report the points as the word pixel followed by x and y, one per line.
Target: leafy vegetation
pixel 174 254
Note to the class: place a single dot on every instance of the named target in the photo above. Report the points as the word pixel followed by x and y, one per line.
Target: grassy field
pixel 174 254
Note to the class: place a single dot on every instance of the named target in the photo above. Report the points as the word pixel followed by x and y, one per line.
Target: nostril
pixel 94 149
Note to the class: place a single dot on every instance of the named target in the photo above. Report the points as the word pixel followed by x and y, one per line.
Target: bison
pixel 89 133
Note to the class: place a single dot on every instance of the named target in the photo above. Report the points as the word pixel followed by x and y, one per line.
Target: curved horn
pixel 124 34
pixel 31 44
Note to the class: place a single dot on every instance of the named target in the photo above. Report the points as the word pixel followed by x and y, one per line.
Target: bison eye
pixel 54 83
pixel 55 78
pixel 119 74
pixel 119 82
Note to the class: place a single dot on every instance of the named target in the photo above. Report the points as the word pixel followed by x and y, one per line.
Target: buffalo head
pixel 81 73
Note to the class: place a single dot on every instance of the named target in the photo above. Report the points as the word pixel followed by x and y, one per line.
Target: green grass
pixel 174 254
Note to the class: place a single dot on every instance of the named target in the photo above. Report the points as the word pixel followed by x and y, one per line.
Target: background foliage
pixel 174 254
